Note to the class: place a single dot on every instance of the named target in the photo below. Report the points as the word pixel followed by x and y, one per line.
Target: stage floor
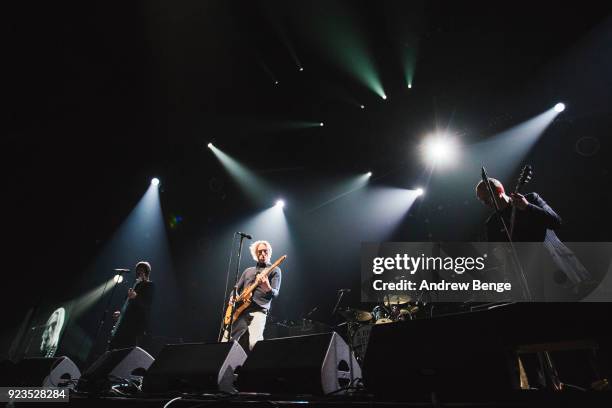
pixel 516 399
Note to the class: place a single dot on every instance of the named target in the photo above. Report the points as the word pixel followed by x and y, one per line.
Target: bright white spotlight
pixel 321 124
pixel 155 181
pixel 210 145
pixel 440 150
pixel 419 191
pixel 410 86
pixel 384 97
pixel 560 107
pixel 118 278
pixel 369 174
pixel 301 69
pixel 280 203
pixel 275 82
pixel 362 106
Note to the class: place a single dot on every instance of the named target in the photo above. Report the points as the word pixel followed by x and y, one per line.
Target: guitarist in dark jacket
pixel 133 327
pixel 535 221
pixel 253 319
pixel 533 216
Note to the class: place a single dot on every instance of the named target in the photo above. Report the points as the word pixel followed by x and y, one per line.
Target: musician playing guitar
pixel 253 318
pixel 132 324
pixel 528 219
pixel 532 220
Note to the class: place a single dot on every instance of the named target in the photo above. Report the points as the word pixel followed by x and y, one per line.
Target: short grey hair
pixel 254 245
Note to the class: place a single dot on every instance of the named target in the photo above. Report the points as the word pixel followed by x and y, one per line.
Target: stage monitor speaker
pixel 312 364
pixel 116 365
pixel 450 355
pixel 195 367
pixel 45 372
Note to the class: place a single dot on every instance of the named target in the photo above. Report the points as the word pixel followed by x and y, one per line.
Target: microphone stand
pixel 340 295
pixel 234 292
pixel 515 258
pixel 350 334
pixel 108 304
pixel 335 309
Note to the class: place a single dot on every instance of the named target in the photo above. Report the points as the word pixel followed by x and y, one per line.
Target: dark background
pixel 102 96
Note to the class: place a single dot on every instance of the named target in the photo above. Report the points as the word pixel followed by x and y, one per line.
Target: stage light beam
pixel 560 107
pixel 155 182
pixel 419 191
pixel 344 189
pixel 253 185
pixel 118 279
pixel 280 204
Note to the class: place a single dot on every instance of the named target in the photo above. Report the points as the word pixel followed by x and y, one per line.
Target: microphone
pixel 244 235
pixel 120 270
pixel 344 290
pixel 487 183
pixel 485 179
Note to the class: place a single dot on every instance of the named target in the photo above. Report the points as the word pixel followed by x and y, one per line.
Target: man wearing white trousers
pixel 253 319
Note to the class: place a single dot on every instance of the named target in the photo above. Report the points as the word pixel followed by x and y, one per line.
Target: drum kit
pixel 394 308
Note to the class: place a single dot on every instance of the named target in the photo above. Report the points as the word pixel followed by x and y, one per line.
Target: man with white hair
pixel 253 319
pixel 51 335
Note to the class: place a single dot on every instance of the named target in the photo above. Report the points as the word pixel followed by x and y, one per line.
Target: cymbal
pixel 384 320
pixel 396 299
pixel 410 310
pixel 355 315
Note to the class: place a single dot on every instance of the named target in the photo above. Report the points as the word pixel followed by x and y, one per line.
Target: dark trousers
pixel 129 336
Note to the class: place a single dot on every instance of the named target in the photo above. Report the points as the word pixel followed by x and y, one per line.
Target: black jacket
pixel 530 225
pixel 138 312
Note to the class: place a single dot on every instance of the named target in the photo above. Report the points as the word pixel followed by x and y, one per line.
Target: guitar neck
pixel 523 179
pixel 265 272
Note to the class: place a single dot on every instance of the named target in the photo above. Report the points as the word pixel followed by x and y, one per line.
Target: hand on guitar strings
pixel 519 201
pixel 132 293
pixel 265 283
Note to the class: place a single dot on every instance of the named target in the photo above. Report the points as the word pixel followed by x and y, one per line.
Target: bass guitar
pixel 245 299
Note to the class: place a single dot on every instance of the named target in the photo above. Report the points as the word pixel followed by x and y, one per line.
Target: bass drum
pixel 360 341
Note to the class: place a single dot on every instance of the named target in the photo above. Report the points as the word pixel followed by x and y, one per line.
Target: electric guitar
pixel 246 297
pixel 123 309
